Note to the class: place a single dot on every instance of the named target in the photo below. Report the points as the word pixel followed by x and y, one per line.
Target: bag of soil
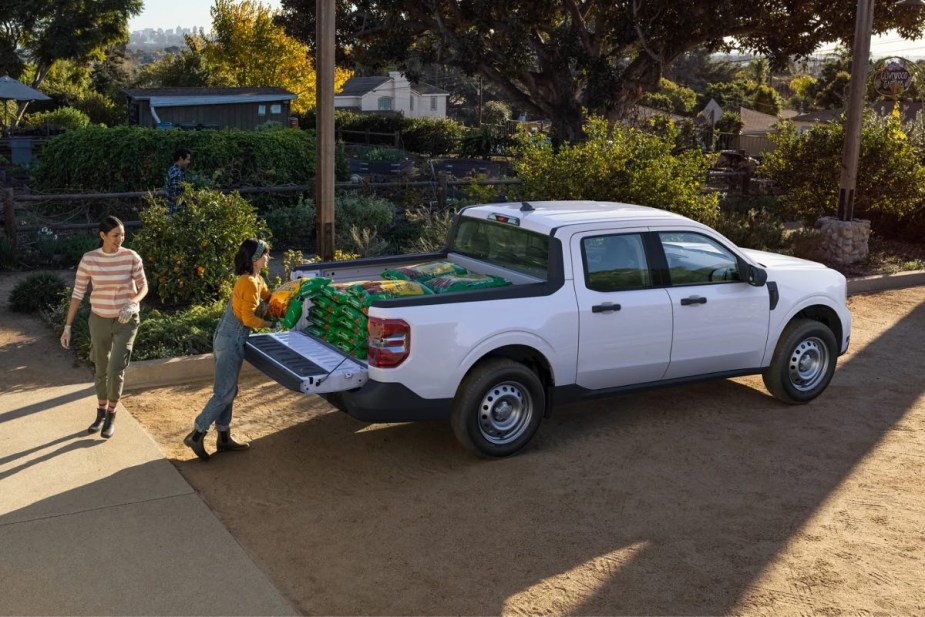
pixel 465 282
pixel 423 272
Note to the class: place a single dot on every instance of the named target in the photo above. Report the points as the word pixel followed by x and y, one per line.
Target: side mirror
pixel 756 276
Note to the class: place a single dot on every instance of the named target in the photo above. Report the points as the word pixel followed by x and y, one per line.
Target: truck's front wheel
pixel 498 407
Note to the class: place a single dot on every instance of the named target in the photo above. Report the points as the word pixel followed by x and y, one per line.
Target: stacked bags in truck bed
pixel 337 311
pixel 445 277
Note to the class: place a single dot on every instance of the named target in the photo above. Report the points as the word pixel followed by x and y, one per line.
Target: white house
pixel 392 93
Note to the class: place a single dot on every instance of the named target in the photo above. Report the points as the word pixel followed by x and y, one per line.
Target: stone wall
pixel 844 242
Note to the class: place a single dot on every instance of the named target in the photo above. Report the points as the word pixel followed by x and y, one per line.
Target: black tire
pixel 498 407
pixel 803 362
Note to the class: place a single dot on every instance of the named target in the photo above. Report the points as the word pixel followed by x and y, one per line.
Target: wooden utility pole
pixel 856 88
pixel 324 127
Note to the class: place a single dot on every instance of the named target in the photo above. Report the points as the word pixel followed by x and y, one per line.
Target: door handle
pixel 606 307
pixel 693 300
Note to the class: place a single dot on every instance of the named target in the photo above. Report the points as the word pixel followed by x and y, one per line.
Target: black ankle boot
pixel 108 428
pixel 98 423
pixel 195 442
pixel 225 443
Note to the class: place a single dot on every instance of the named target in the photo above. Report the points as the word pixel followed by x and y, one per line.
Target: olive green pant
pixel 110 350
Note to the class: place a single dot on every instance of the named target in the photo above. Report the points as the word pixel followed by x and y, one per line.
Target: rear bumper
pixel 379 401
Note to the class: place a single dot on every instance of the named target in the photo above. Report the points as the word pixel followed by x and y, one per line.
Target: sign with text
pixel 892 79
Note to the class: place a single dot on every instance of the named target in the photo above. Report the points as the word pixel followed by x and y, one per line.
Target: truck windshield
pixel 504 245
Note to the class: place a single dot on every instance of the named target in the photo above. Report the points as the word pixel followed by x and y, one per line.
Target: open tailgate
pixel 303 363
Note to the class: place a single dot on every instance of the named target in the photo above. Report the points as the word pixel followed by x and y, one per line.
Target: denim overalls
pixel 228 349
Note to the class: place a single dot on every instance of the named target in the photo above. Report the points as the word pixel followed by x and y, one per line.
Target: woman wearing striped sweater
pixel 117 278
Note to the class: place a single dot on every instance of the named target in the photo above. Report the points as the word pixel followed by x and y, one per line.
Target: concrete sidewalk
pixel 101 527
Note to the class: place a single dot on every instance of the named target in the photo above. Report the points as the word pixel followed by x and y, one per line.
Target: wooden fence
pixel 443 189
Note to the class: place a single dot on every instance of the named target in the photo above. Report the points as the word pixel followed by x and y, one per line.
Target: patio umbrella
pixel 14 90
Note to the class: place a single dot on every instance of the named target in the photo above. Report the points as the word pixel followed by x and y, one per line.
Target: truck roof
pixel 548 215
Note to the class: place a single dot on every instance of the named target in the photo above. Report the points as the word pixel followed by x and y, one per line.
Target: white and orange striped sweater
pixel 116 278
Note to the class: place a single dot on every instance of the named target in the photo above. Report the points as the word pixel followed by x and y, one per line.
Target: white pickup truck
pixel 605 298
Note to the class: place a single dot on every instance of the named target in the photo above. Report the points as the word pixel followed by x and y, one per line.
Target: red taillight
pixel 389 342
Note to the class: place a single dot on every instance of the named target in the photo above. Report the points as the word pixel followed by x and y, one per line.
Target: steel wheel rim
pixel 809 364
pixel 504 413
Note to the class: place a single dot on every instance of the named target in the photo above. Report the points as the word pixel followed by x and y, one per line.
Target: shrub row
pixel 430 136
pixel 131 158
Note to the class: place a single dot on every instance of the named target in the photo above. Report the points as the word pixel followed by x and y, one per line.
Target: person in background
pixel 117 277
pixel 241 316
pixel 176 175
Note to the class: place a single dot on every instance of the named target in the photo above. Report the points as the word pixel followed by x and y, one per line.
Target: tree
pixel 42 32
pixel 248 49
pixel 622 164
pixel 558 58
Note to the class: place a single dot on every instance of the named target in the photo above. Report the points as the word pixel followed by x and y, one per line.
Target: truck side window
pixel 615 263
pixel 695 259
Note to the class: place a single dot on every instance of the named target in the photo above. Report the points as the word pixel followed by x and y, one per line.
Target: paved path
pixel 96 527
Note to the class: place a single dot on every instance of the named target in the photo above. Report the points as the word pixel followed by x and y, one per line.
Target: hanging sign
pixel 892 79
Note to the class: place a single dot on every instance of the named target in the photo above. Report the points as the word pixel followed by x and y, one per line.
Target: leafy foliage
pixel 619 165
pixel 806 169
pixel 433 225
pixel 672 98
pixel 37 292
pixel 189 257
pixel 248 49
pixel 43 32
pixel 559 59
pixel 61 118
pixel 136 158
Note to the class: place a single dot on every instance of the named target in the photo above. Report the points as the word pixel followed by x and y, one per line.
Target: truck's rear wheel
pixel 498 408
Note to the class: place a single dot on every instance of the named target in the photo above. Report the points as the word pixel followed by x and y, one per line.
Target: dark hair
pixel 244 259
pixel 181 153
pixel 108 224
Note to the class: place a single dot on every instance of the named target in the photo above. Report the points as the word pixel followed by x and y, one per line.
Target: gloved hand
pixel 278 326
pixel 130 309
pixel 262 307
pixel 66 337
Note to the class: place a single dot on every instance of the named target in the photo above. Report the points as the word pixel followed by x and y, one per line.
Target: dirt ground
pixel 711 499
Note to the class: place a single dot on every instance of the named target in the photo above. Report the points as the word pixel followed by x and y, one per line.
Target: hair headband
pixel 261 249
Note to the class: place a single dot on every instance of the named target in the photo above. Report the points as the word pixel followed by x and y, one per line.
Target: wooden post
pixel 324 127
pixel 441 190
pixel 9 217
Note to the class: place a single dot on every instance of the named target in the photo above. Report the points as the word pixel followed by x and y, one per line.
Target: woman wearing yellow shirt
pixel 241 316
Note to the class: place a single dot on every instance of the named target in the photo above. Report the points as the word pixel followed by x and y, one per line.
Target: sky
pixel 169 14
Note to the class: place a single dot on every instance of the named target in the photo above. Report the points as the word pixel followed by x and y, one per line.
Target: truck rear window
pixel 503 245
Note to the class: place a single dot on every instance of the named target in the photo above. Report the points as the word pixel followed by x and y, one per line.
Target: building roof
pixel 146 93
pixel 358 86
pixel 755 121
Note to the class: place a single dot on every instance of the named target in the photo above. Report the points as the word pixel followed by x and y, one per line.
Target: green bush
pixel 101 109
pixel 291 224
pixel 754 229
pixel 622 164
pixel 161 334
pixel 431 136
pixel 806 168
pixel 183 333
pixel 132 158
pixel 189 257
pixel 37 292
pixel 362 212
pixel 61 118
